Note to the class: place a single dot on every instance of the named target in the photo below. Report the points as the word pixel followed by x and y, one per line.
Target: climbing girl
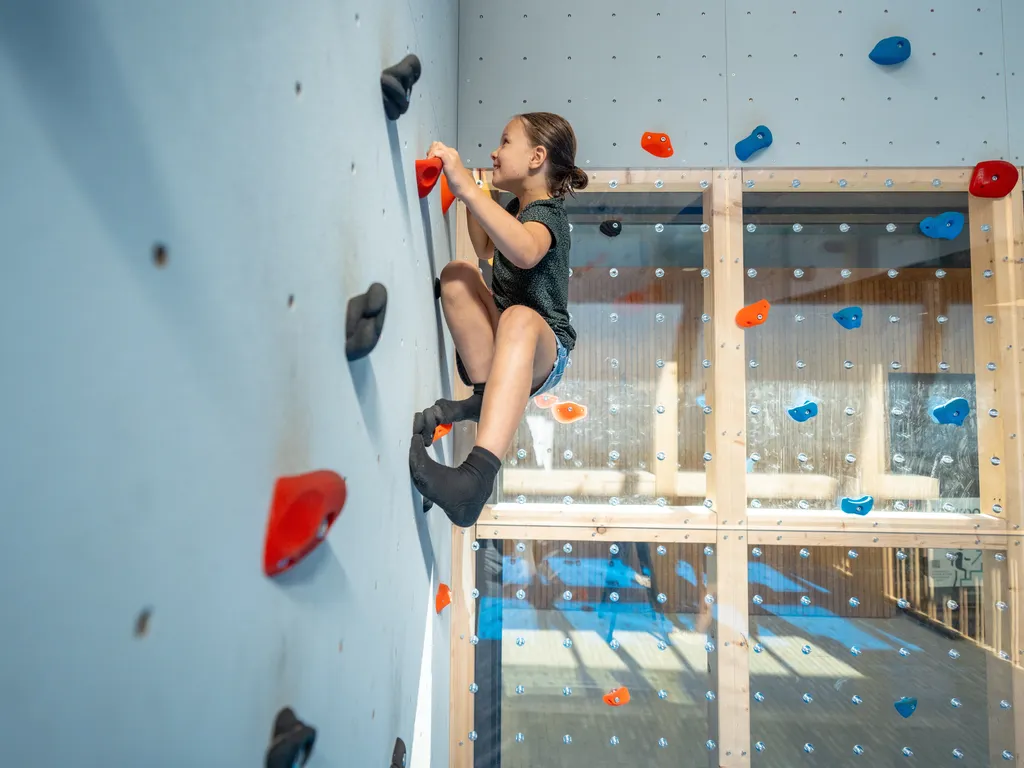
pixel 511 342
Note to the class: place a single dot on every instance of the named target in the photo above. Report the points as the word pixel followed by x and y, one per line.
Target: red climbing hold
pixel 447 198
pixel 301 513
pixel 427 174
pixel 443 599
pixel 658 144
pixel 993 178
pixel 617 697
pixel 753 314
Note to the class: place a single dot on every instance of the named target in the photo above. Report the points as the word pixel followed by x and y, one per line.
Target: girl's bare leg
pixel 471 315
pixel 524 354
pixel 525 351
pixel 472 318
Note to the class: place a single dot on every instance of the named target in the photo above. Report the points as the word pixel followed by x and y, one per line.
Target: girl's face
pixel 514 160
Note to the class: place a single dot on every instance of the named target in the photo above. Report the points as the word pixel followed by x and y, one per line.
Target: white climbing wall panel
pixel 1013 41
pixel 802 69
pixel 613 69
pixel 146 409
pixel 707 73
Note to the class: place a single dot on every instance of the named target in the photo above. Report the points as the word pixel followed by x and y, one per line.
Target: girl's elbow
pixel 532 255
pixel 528 261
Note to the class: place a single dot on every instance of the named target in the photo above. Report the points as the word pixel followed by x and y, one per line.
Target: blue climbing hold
pixel 952 411
pixel 906 706
pixel 945 226
pixel 804 412
pixel 892 50
pixel 849 317
pixel 859 506
pixel 760 138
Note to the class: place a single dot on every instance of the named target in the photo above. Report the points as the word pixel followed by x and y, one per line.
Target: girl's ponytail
pixel 554 133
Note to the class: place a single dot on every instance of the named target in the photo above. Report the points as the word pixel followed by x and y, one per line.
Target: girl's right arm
pixel 481 240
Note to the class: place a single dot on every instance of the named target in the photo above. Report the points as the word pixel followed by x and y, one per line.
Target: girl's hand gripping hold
pixel 460 181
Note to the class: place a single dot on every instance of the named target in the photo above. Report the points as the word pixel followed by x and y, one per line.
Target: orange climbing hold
pixel 658 144
pixel 753 314
pixel 302 511
pixel 441 431
pixel 427 174
pixel 567 413
pixel 545 400
pixel 443 599
pixel 447 198
pixel 617 698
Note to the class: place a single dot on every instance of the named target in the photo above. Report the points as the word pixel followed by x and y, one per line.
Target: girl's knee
pixel 458 271
pixel 521 319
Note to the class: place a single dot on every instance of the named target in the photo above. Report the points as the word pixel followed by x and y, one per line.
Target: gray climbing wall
pixel 148 405
pixel 1013 24
pixel 708 72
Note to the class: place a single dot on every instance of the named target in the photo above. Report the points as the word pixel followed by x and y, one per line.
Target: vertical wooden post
pixel 725 438
pixel 1010 316
pixel 988 247
pixel 666 433
pixel 462 657
pixel 463 608
pixel 997 276
pixel 1006 308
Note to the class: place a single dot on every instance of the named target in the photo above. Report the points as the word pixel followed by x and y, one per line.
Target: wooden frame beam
pixel 626 180
pixel 596 533
pixel 988 376
pixel 728 522
pixel 883 522
pixel 463 574
pixel 591 515
pixel 857 179
pixel 726 440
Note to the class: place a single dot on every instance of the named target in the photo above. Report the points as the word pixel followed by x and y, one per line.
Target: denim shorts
pixel 557 370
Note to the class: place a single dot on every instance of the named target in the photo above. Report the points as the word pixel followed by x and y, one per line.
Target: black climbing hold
pixel 759 138
pixel 364 321
pixel 437 288
pixel 611 228
pixel 291 743
pixel 396 84
pixel 398 756
pixel 891 50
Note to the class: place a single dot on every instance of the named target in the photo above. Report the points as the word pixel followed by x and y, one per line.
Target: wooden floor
pixel 782 672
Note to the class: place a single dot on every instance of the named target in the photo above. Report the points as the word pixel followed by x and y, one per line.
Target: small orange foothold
pixel 567 413
pixel 658 144
pixel 443 599
pixel 753 314
pixel 427 174
pixel 447 198
pixel 545 400
pixel 617 698
pixel 441 431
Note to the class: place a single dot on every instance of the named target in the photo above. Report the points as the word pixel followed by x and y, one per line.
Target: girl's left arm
pixel 524 244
